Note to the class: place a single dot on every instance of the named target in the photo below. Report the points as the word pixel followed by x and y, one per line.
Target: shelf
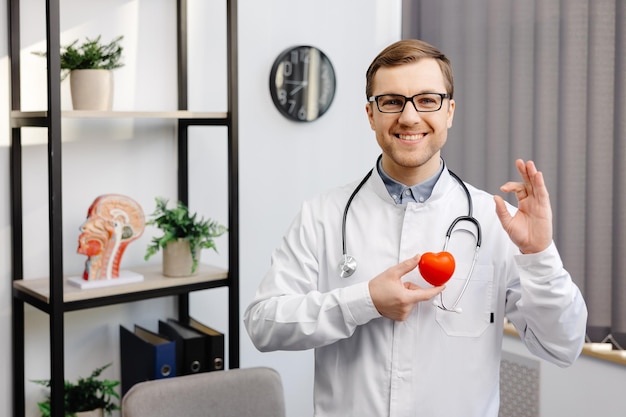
pixel 39 118
pixel 53 295
pixel 37 291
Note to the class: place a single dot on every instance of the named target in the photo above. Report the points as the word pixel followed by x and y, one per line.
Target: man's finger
pixel 406 266
pixel 522 167
pixel 520 190
pixel 424 294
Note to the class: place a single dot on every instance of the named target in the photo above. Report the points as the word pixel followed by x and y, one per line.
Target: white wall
pixel 281 162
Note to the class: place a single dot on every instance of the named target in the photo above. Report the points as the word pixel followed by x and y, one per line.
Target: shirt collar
pixel 402 194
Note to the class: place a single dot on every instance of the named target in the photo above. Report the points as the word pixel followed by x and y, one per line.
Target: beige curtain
pixel 545 80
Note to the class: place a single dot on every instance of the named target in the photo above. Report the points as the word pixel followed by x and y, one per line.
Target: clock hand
pixel 298 88
pixel 300 85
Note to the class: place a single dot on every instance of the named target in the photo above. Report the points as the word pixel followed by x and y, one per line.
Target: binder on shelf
pixel 214 344
pixel 190 346
pixel 145 355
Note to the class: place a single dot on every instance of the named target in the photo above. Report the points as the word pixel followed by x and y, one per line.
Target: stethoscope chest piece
pixel 347 266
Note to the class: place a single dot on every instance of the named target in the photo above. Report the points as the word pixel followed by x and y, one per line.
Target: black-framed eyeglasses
pixel 423 102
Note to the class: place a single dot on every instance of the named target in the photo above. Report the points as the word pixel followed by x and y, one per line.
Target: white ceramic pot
pixel 177 260
pixel 98 412
pixel 92 89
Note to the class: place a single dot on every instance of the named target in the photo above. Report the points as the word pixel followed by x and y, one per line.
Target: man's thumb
pixel 408 265
pixel 501 211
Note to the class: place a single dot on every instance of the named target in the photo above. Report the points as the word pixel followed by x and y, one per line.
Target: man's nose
pixel 410 113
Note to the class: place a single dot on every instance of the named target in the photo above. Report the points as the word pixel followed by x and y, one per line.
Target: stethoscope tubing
pixel 345 210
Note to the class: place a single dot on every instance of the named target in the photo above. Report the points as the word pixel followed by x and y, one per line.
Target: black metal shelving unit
pixel 52 300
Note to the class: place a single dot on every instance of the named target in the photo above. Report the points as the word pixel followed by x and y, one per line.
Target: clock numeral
pixel 287 69
pixel 292 106
pixel 304 55
pixel 302 113
pixel 282 96
pixel 327 80
pixel 301 55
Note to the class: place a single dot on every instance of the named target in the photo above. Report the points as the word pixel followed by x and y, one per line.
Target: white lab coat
pixel 436 363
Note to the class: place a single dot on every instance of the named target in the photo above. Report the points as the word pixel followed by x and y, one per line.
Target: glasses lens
pixel 427 102
pixel 391 103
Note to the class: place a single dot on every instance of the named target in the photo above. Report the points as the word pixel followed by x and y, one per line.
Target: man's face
pixel 411 141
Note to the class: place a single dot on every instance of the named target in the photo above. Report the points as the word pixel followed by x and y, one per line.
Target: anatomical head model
pixel 113 221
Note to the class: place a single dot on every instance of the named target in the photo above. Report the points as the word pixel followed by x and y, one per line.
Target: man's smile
pixel 411 137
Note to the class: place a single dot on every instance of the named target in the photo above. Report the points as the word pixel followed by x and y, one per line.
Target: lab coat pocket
pixel 476 304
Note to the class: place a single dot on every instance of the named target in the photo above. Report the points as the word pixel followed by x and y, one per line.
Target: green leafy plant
pixel 85 395
pixel 91 54
pixel 177 223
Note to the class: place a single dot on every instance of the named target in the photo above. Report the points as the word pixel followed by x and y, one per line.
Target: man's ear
pixel 370 115
pixel 451 107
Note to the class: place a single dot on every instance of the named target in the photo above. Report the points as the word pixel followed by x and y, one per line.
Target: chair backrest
pixel 245 392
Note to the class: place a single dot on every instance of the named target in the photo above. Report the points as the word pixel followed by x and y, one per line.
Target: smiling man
pixel 410 138
pixel 345 281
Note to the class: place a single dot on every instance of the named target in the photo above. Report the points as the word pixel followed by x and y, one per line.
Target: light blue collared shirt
pixel 402 194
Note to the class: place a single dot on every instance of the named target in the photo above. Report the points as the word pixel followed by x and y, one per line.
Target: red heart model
pixel 437 268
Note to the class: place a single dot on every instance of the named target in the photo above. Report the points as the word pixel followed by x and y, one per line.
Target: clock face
pixel 302 83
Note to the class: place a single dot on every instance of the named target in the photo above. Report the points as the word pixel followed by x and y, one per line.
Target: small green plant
pixel 91 54
pixel 87 394
pixel 177 223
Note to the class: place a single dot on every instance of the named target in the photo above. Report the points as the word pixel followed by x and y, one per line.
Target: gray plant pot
pixel 92 89
pixel 177 260
pixel 98 412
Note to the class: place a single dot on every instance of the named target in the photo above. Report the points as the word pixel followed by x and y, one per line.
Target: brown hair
pixel 408 51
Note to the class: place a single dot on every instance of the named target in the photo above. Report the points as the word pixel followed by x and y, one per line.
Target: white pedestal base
pixel 126 277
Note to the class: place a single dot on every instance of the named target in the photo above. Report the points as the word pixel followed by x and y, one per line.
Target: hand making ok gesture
pixel 530 228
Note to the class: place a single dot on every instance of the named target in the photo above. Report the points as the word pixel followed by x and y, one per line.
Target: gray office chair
pixel 246 392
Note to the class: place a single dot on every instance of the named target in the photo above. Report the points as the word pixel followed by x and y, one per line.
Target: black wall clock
pixel 302 83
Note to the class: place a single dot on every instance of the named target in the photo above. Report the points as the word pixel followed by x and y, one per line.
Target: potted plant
pixel 86 395
pixel 90 66
pixel 184 236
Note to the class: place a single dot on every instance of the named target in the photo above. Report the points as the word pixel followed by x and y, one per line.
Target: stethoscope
pixel 348 264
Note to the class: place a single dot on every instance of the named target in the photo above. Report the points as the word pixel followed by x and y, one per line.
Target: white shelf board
pixel 83 114
pixel 153 279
